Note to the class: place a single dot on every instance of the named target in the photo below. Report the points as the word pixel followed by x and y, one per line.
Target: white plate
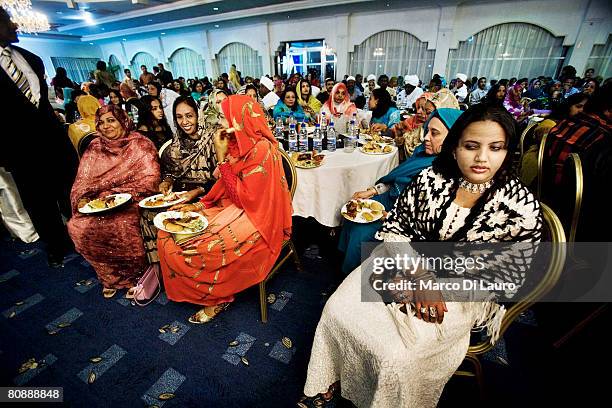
pixel 359 218
pixel 393 148
pixel 164 205
pixel 158 221
pixel 120 199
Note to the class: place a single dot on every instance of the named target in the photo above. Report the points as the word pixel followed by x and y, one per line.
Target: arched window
pixel 601 56
pixel 508 50
pixel 187 63
pixel 142 58
pixel 392 53
pixel 246 59
pixel 114 66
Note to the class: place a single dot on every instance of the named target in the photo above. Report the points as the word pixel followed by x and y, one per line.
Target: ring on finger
pixel 433 312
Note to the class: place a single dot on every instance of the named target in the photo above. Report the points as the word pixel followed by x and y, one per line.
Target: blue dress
pixel 353 234
pixel 391 118
pixel 283 111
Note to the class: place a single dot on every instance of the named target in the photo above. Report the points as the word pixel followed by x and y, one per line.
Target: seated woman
pixel 309 103
pixel 119 161
pixel 384 113
pixel 388 188
pixel 197 91
pixel 115 98
pixel 249 213
pixel 87 106
pixel 338 108
pixel 152 123
pixel 132 105
pixel 288 107
pixel 251 90
pixel 402 354
pixel 512 101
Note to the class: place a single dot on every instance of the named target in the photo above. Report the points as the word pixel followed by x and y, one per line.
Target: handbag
pixel 148 286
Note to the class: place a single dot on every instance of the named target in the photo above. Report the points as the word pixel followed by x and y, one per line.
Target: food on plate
pixel 307 159
pixel 186 224
pixel 352 208
pixel 363 210
pixel 367 216
pixel 376 206
pixel 373 147
pixel 161 200
pixel 100 203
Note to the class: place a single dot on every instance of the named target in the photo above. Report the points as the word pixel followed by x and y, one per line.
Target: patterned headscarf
pixel 122 117
pixel 211 113
pixel 88 106
pixel 346 107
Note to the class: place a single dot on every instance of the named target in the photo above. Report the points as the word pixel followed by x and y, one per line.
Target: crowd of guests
pixel 212 139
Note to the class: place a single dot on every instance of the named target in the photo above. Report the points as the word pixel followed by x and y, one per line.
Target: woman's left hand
pixel 184 207
pixel 379 127
pixel 192 194
pixel 429 301
pixel 221 141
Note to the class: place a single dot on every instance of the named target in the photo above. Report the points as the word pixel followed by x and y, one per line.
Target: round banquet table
pixel 322 191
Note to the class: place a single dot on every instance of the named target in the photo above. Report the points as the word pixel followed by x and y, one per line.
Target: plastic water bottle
pixel 331 137
pixel 134 113
pixel 280 128
pixel 323 122
pixel 350 140
pixel 303 142
pixel 317 139
pixel 293 139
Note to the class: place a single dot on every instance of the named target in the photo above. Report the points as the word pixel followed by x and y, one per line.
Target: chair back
pixel 541 152
pixel 290 172
pixel 164 147
pixel 84 143
pixel 463 106
pixel 552 233
pixel 527 136
pixel 573 169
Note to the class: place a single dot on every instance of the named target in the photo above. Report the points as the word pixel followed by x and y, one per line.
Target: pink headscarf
pixel 346 107
pixel 118 113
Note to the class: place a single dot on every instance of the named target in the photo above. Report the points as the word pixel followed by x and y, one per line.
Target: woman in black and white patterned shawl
pixel 402 352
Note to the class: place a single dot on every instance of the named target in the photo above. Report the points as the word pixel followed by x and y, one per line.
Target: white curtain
pixel 114 66
pixel 394 53
pixel 601 56
pixel 506 51
pixel 246 59
pixel 187 63
pixel 142 58
pixel 78 69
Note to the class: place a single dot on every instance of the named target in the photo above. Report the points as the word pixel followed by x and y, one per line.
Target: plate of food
pixel 307 160
pixel 104 204
pixel 377 148
pixel 161 200
pixel 362 211
pixel 378 138
pixel 179 222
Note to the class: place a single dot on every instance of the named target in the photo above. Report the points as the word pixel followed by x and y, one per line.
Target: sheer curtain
pixel 142 58
pixel 246 59
pixel 78 69
pixel 187 63
pixel 115 67
pixel 601 56
pixel 392 53
pixel 506 51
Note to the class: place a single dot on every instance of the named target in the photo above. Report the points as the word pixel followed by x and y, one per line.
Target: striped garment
pixel 579 134
pixel 16 75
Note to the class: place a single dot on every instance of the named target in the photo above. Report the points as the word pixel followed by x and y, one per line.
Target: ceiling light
pixel 216 25
pixel 16 4
pixel 124 39
pixel 216 8
pixel 59 12
pixel 89 18
pixel 149 20
pixel 90 43
pixel 30 21
pixel 163 33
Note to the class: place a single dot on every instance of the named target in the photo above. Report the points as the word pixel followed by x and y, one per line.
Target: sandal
pixel 130 293
pixel 108 293
pixel 200 317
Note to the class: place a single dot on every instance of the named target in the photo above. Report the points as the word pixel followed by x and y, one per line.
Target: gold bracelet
pixel 199 206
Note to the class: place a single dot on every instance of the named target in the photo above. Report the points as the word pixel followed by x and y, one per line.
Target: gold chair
pixel 163 147
pixel 541 152
pixel 288 245
pixel 553 232
pixel 84 143
pixel 524 136
pixel 576 163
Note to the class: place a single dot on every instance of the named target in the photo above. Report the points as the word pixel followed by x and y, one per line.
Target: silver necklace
pixel 473 187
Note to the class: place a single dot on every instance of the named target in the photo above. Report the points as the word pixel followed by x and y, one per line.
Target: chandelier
pixel 28 20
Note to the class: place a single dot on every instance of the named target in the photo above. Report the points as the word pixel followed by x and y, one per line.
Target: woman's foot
pixel 207 313
pixel 130 293
pixel 108 293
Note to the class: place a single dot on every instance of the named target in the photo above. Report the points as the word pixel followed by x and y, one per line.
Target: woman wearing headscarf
pixel 234 78
pixel 399 348
pixel 513 102
pixel 61 81
pixel 338 108
pixel 309 103
pixel 120 160
pixel 384 113
pixel 251 90
pixel 132 105
pixel 87 106
pixel 388 188
pixel 249 212
pixel 288 106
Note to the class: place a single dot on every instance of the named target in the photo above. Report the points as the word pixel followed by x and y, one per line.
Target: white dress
pixel 360 344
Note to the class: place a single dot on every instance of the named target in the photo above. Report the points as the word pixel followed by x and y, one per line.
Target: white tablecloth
pixel 321 192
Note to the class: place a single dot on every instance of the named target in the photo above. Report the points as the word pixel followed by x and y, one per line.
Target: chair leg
pixel 296 258
pixel 263 303
pixel 478 373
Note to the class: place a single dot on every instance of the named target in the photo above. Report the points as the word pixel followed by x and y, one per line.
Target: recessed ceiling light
pixel 103 29
pixel 216 25
pixel 124 39
pixel 149 20
pixel 59 12
pixel 163 33
pixel 216 8
pixel 90 43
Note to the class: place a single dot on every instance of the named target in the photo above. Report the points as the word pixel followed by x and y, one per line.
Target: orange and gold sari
pixel 248 220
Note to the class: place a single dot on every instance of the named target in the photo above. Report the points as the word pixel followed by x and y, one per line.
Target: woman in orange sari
pixel 249 213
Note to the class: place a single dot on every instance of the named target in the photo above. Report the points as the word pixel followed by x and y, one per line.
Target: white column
pixel 341 44
pixel 208 57
pixel 446 26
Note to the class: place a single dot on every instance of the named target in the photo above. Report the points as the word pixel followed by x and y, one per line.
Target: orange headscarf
pixel 346 107
pixel 261 185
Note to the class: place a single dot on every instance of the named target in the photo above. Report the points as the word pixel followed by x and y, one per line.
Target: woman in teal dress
pixel 288 106
pixel 384 113
pixel 389 187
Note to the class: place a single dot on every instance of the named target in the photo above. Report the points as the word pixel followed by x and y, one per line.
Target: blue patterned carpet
pixel 196 363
